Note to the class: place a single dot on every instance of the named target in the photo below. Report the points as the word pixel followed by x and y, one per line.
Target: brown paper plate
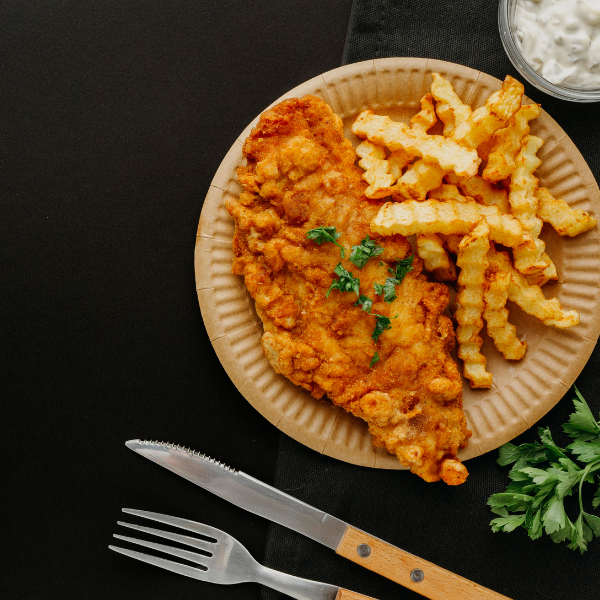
pixel 522 392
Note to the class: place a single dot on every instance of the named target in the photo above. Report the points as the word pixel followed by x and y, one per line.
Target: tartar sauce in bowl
pixel 560 39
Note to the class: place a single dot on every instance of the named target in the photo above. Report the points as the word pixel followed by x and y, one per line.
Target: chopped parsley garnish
pixel 543 475
pixel 345 282
pixel 325 234
pixel 381 324
pixel 365 302
pixel 388 290
pixel 374 360
pixel 403 267
pixel 363 252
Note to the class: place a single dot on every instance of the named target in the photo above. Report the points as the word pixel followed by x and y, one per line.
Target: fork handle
pixel 408 570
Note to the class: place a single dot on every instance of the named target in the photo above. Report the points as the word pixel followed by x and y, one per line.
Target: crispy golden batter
pixel 300 175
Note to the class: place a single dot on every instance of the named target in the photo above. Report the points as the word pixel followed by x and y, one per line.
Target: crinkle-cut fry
pixel 447 191
pixel 542 277
pixel 370 154
pixel 450 108
pixel 506 144
pixel 481 190
pixel 381 172
pixel 484 149
pixel 450 155
pixel 565 220
pixel 426 118
pixel 472 260
pixel 418 180
pixel 494 115
pixel 523 185
pixel 451 241
pixel 524 203
pixel 435 258
pixel 377 175
pixel 398 161
pixel 530 297
pixel 430 216
pixel 495 314
pixel 505 229
pixel 447 217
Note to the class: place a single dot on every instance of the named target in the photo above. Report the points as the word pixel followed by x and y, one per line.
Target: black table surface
pixel 115 116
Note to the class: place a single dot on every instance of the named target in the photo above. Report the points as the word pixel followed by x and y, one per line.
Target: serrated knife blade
pixel 358 546
pixel 244 491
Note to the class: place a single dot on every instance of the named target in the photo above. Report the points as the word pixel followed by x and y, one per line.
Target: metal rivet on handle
pixel 363 550
pixel 417 575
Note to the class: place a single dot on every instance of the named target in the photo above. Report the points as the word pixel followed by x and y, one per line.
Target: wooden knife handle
pixel 429 580
pixel 348 595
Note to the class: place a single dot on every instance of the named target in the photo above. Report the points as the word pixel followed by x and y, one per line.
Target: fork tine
pixel 169 565
pixel 174 537
pixel 200 528
pixel 185 554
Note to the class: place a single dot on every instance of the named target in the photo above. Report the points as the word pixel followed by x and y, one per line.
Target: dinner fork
pixel 223 560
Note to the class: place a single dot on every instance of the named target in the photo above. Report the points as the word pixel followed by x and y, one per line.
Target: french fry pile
pixel 462 193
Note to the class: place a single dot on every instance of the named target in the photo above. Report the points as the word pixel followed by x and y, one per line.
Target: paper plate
pixel 522 392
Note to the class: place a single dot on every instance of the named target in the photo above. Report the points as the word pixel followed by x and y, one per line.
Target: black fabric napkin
pixel 448 526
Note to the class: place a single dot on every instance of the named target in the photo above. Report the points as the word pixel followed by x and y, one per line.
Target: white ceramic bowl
pixel 506 15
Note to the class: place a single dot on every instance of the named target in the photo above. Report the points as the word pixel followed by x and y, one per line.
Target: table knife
pixel 257 497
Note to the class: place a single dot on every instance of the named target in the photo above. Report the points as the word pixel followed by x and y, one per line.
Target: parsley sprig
pixel 403 267
pixel 322 234
pixel 364 251
pixel 543 475
pixel 374 360
pixel 346 282
pixel 365 303
pixel 388 289
pixel 382 324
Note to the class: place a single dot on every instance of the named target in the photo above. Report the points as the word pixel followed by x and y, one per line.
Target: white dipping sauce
pixel 560 39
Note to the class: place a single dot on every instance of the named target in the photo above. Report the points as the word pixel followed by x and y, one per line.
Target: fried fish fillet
pixel 301 175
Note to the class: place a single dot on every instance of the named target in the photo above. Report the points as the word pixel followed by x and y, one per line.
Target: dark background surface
pixel 115 118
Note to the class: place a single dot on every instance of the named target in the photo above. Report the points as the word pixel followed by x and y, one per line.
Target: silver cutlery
pixel 223 559
pixel 370 552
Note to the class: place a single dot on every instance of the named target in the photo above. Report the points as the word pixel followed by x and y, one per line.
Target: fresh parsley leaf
pixel 387 290
pixel 586 451
pixel 509 500
pixel 374 360
pixel 365 302
pixel 535 528
pixel 522 455
pixel 363 252
pixel 381 324
pixel 543 475
pixel 322 234
pixel 551 447
pixel 507 522
pixel 582 420
pixel 567 479
pixel 345 282
pixel 403 267
pixel 581 535
pixel 555 517
pixel 594 523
